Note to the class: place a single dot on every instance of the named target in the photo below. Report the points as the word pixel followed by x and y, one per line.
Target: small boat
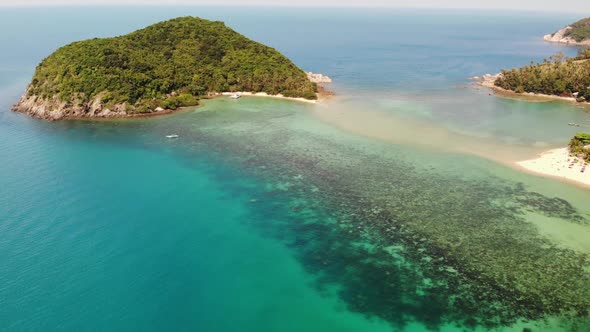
pixel 172 136
pixel 573 124
pixel 235 96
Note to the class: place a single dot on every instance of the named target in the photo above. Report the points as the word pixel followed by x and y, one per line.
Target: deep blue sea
pixel 264 215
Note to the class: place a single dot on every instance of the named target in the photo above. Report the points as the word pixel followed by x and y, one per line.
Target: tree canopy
pixel 168 64
pixel 580 30
pixel 578 146
pixel 558 75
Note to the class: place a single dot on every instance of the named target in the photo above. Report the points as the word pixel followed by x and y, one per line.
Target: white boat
pixel 235 96
pixel 172 136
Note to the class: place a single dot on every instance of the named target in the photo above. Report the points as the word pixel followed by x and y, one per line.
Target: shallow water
pixel 372 212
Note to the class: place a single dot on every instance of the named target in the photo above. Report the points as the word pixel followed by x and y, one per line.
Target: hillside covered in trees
pixel 560 76
pixel 166 65
pixel 577 33
pixel 580 30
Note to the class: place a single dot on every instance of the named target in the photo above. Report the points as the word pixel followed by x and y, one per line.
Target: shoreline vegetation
pixel 322 94
pixel 489 81
pixel 557 78
pixel 159 69
pixel 318 79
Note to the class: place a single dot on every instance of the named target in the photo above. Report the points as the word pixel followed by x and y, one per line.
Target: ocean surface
pixel 390 207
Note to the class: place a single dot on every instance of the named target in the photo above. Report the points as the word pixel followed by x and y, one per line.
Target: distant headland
pixel 577 33
pixel 159 69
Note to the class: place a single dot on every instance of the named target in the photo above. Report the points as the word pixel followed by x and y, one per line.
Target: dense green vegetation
pixel 580 30
pixel 577 146
pixel 169 64
pixel 558 75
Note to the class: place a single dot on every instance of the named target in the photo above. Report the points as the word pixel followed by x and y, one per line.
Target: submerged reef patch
pixel 398 240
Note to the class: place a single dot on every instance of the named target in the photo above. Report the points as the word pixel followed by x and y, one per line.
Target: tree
pixel 185 55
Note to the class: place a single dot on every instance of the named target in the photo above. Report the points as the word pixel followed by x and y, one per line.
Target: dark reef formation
pixel 403 242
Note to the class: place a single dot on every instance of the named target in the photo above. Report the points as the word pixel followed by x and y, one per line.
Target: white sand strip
pixel 558 163
pixel 264 94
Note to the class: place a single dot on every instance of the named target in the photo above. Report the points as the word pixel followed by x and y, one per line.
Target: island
pixel 574 34
pixel 159 69
pixel 558 77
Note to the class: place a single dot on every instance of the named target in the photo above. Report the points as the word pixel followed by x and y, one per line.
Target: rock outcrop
pixel 55 109
pixel 318 78
pixel 562 37
pixel 487 80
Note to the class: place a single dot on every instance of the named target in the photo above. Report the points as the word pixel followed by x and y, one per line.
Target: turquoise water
pixel 263 218
pixel 141 240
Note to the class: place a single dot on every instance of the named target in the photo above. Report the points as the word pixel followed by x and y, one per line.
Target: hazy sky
pixel 580 6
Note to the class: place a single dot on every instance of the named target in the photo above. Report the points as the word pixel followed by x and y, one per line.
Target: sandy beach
pixel 264 94
pixel 558 163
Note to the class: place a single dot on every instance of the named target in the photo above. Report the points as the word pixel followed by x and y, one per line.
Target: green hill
pixel 166 65
pixel 580 30
pixel 577 33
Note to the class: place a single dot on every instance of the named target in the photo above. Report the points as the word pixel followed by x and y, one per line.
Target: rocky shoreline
pixel 318 78
pixel 561 38
pixel 54 109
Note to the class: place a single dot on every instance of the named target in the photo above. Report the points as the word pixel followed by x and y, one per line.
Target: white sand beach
pixel 264 94
pixel 558 163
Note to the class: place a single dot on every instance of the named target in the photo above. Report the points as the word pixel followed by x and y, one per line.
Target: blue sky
pixel 580 6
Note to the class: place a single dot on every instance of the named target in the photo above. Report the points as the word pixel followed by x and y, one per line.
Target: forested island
pixel 558 76
pixel 577 33
pixel 162 67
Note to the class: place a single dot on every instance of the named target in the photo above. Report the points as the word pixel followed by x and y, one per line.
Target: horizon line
pixel 279 5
